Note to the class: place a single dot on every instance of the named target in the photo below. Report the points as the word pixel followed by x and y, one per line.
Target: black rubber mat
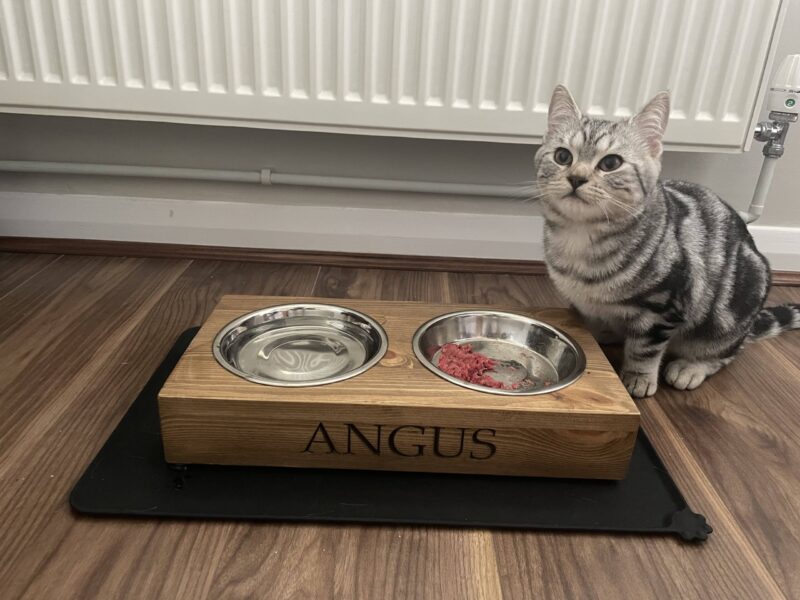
pixel 129 477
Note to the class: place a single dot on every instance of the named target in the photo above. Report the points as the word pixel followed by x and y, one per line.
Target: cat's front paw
pixel 686 375
pixel 640 385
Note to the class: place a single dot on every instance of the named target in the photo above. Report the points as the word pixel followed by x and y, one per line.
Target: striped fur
pixel 773 321
pixel 666 266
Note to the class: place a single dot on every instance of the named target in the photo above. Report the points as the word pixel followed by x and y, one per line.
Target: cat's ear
pixel 562 109
pixel 652 121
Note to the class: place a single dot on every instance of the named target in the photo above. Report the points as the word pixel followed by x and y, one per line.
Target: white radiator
pixel 460 69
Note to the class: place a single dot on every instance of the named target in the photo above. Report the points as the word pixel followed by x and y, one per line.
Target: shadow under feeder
pixel 396 414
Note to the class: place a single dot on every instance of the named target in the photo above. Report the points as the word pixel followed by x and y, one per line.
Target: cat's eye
pixel 612 162
pixel 562 156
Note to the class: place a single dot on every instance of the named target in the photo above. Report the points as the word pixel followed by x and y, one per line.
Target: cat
pixel 665 266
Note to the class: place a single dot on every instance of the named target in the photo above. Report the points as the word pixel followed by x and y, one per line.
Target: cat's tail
pixel 773 321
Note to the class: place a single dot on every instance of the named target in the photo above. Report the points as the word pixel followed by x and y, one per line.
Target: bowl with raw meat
pixel 499 353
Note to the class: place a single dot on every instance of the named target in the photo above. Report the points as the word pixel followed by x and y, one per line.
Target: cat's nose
pixel 576 182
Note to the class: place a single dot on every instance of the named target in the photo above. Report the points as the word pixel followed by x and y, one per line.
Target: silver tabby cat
pixel 665 265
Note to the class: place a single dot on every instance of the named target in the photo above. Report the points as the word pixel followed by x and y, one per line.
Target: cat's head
pixel 588 169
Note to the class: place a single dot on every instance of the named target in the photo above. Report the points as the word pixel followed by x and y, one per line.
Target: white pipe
pixel 265 177
pixel 761 191
pixel 24 166
pixel 396 185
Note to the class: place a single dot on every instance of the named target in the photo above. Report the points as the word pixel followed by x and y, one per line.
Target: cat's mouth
pixel 574 196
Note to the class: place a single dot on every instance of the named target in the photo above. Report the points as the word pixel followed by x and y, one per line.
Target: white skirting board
pixel 270 225
pixel 385 230
pixel 781 245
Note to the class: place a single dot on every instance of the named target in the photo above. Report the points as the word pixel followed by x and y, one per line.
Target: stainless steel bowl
pixel 298 345
pixel 528 353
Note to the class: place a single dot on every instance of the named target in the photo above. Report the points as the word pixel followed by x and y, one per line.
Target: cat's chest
pixel 573 244
pixel 583 251
pixel 582 268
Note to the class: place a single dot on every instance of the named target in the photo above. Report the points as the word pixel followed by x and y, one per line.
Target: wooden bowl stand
pixel 398 415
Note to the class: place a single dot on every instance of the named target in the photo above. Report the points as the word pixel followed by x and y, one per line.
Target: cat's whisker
pixel 532 186
pixel 628 209
pixel 530 194
pixel 594 197
pixel 603 208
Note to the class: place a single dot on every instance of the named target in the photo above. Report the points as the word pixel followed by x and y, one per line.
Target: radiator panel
pixel 477 69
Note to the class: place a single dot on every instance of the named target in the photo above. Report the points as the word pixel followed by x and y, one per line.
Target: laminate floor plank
pixel 357 562
pixel 69 323
pixel 515 291
pixel 375 284
pixel 16 269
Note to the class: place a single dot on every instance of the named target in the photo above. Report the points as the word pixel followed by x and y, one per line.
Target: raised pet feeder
pixel 356 385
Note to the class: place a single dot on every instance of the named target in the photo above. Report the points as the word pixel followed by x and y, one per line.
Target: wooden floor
pixel 79 336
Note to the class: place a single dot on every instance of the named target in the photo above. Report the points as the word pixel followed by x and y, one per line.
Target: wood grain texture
pixel 16 269
pixel 335 260
pixel 731 445
pixel 375 284
pixel 266 255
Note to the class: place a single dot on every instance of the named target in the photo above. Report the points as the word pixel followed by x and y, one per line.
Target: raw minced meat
pixel 461 361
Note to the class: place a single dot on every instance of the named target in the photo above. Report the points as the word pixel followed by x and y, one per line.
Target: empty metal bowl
pixel 531 357
pixel 299 345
